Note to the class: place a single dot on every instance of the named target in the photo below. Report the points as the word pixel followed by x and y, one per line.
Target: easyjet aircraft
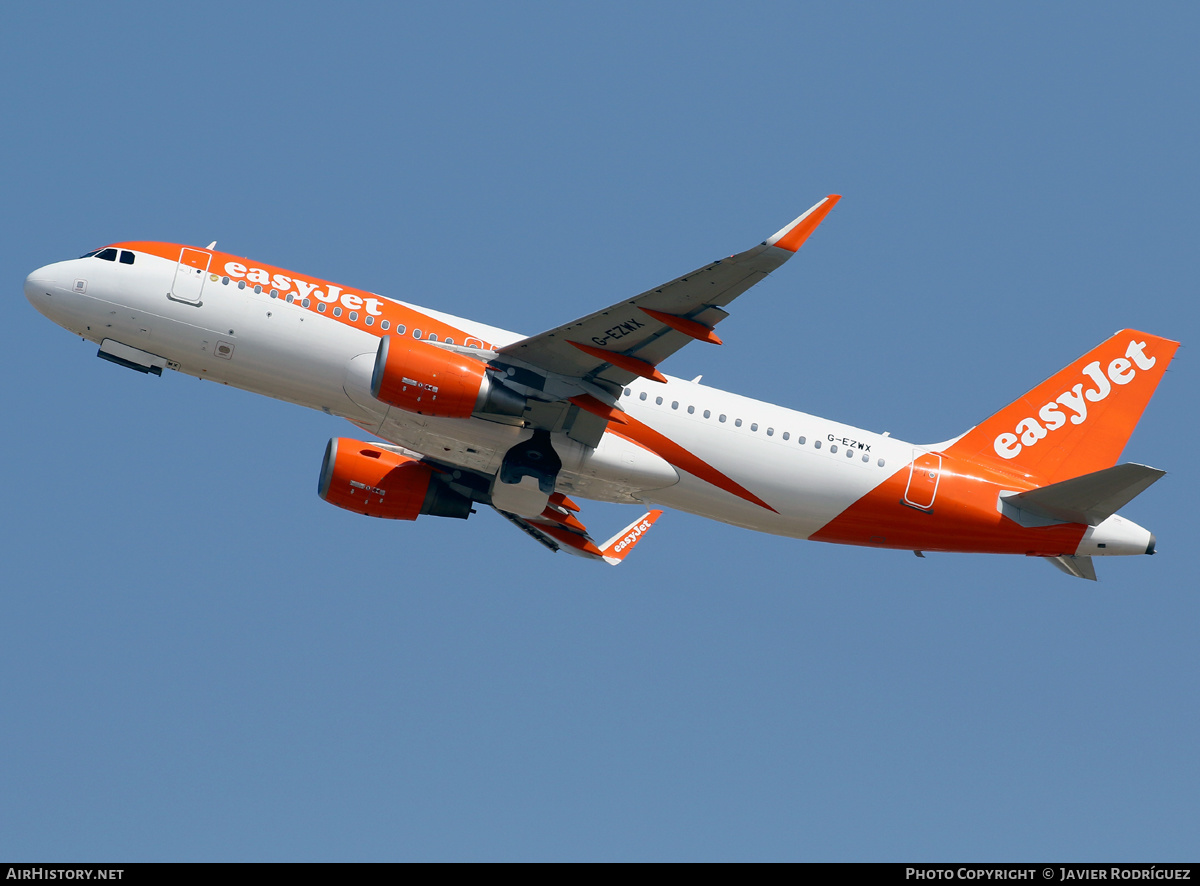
pixel 471 414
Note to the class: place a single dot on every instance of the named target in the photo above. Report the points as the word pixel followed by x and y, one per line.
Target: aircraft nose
pixel 39 284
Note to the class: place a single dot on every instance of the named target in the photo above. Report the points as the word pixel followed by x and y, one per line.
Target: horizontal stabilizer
pixel 1071 564
pixel 1089 499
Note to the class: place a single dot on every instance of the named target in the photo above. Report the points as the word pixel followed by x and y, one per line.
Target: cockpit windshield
pixel 110 254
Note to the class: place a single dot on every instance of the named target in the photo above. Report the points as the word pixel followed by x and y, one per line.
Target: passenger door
pixel 190 272
pixel 923 477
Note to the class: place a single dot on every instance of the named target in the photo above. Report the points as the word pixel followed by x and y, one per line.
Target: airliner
pixel 465 414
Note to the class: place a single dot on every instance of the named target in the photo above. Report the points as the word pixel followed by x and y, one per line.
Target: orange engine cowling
pixel 368 480
pixel 429 380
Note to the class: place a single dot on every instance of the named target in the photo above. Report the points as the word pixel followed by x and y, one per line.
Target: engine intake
pixel 368 480
pixel 429 380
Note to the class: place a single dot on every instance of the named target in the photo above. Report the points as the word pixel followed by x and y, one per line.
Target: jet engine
pixel 373 481
pixel 429 380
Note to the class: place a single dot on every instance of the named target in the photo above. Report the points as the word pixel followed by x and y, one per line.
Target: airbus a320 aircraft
pixel 472 414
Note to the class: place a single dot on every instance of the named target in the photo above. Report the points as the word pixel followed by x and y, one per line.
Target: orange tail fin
pixel 1078 420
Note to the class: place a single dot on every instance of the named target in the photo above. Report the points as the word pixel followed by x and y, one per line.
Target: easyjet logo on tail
pixel 1054 415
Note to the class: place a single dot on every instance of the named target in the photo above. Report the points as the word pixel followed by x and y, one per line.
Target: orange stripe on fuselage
pixel 318 292
pixel 645 436
pixel 963 518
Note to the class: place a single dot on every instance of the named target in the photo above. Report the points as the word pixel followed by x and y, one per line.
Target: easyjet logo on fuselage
pixel 388 312
pixel 363 311
pixel 284 283
pixel 1120 372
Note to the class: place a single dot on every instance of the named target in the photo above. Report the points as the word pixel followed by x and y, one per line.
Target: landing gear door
pixel 923 477
pixel 189 275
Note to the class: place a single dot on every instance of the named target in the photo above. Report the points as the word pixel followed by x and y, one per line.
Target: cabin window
pixel 707 413
pixel 370 320
pixel 224 281
pixel 354 315
pixel 291 298
pixel 754 426
pixel 126 257
pixel 274 293
pixel 416 333
pixel 242 285
pixel 674 404
pixel 257 289
pixel 786 435
pixel 737 422
pixel 321 307
pixel 866 458
pixel 833 448
pixel 385 324
pixel 628 391
pixel 658 401
pixel 337 312
pixel 849 453
pixel 400 329
pixel 881 462
pixel 642 395
pixel 721 417
pixel 816 443
pixel 770 432
pixel 449 340
pixel 432 336
pixel 691 410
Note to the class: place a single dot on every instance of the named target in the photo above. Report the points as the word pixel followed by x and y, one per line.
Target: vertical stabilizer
pixel 1078 420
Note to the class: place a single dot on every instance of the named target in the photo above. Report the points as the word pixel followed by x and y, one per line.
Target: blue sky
pixel 202 660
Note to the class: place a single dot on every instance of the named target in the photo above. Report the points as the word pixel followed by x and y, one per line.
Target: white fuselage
pixel 282 351
pixel 800 471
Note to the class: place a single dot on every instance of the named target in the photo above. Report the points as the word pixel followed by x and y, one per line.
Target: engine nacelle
pixel 368 480
pixel 429 380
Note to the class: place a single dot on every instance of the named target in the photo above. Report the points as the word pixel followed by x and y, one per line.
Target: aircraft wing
pixel 558 529
pixel 629 339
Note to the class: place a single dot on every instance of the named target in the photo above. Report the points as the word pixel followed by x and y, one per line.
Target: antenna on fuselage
pixel 212 245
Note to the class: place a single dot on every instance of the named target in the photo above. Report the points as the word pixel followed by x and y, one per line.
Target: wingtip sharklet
pixel 618 547
pixel 791 237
